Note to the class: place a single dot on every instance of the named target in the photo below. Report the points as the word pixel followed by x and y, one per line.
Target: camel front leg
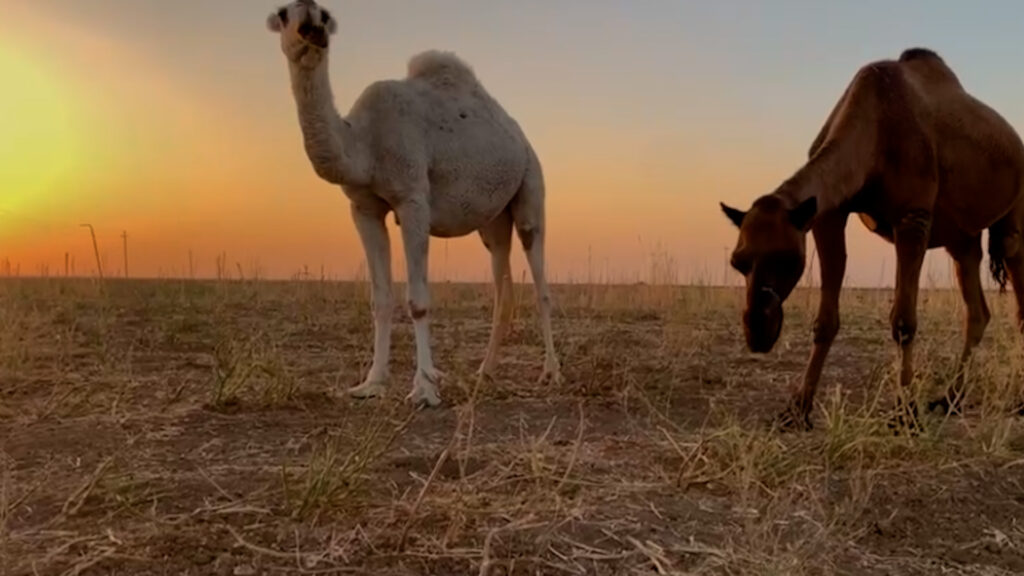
pixel 830 239
pixel 373 233
pixel 414 215
pixel 911 239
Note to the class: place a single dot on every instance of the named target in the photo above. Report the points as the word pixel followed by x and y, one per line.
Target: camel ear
pixel 329 22
pixel 802 215
pixel 277 20
pixel 733 214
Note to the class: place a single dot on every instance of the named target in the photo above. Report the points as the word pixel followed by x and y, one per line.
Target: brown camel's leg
pixel 968 263
pixel 911 239
pixel 1015 267
pixel 1009 230
pixel 830 240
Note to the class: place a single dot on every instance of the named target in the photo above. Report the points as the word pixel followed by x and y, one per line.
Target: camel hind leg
pixel 528 216
pixel 967 257
pixel 1006 254
pixel 1015 272
pixel 497 237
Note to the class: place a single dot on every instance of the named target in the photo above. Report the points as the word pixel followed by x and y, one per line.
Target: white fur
pixel 442 154
pixel 274 23
pixel 442 69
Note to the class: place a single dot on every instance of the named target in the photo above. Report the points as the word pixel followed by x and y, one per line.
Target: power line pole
pixel 124 239
pixel 95 249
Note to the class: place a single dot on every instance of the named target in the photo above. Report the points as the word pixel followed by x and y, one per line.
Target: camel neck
pixel 328 138
pixel 833 175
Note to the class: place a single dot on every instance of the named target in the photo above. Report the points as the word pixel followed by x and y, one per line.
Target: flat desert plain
pixel 170 427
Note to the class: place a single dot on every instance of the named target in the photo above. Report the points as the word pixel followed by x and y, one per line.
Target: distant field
pixel 199 428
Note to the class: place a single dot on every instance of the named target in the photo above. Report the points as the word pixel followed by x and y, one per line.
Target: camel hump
pixel 911 54
pixel 441 68
pixel 928 64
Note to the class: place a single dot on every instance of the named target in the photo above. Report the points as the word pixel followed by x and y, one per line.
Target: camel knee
pixel 979 322
pixel 381 311
pixel 826 327
pixel 976 326
pixel 904 328
pixel 543 299
pixel 530 235
pixel 418 310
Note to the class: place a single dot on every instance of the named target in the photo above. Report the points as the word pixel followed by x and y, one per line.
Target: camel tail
pixel 998 242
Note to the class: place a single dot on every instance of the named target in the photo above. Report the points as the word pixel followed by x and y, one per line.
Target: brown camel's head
pixel 770 253
pixel 305 30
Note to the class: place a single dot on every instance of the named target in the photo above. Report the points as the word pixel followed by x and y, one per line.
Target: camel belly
pixel 876 225
pixel 944 231
pixel 458 211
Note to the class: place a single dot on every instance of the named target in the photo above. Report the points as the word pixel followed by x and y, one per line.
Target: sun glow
pixel 39 146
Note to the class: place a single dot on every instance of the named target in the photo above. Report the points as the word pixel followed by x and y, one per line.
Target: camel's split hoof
pixel 793 420
pixel 368 389
pixel 554 378
pixel 424 388
pixel 552 373
pixel 906 421
pixel 945 407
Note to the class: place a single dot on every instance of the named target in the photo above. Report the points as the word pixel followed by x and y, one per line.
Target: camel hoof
pixel 906 421
pixel 551 378
pixel 368 389
pixel 793 419
pixel 552 374
pixel 485 374
pixel 424 388
pixel 944 407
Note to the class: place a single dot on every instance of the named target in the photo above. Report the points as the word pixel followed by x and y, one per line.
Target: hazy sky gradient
pixel 174 121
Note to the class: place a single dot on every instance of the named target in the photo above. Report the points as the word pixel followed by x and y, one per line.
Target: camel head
pixel 771 254
pixel 305 29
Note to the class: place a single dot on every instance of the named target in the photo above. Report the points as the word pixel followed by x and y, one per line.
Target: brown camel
pixel 925 165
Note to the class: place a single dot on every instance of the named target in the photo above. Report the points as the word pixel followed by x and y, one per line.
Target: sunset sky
pixel 174 121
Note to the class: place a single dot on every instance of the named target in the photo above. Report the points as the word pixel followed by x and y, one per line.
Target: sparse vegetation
pixel 197 428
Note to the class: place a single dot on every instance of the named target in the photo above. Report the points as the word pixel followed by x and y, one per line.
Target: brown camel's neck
pixel 329 139
pixel 834 174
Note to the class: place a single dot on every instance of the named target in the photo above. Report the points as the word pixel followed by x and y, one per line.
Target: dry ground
pixel 197 428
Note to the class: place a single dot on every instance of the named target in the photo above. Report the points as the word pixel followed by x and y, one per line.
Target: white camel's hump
pixel 441 69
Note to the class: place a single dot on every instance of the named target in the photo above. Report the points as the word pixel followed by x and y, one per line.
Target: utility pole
pixel 67 264
pixel 124 240
pixel 95 249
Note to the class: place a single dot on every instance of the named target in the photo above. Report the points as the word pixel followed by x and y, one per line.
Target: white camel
pixel 441 153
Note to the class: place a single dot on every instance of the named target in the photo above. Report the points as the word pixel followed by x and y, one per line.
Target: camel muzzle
pixel 313 33
pixel 762 322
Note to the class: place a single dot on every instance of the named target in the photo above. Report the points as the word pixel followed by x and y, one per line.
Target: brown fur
pixel 925 165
